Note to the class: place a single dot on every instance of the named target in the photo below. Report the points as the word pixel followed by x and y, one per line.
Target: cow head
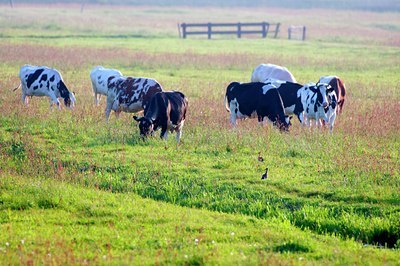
pixel 146 125
pixel 323 90
pixel 283 124
pixel 70 100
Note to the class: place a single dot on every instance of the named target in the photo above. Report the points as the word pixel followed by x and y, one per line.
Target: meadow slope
pixel 76 190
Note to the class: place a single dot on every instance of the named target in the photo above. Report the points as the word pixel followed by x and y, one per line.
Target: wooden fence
pixel 297 32
pixel 238 29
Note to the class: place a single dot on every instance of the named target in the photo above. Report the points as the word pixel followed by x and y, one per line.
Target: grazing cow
pixel 270 71
pixel 129 94
pixel 167 110
pixel 248 100
pixel 319 102
pixel 44 81
pixel 99 77
pixel 339 87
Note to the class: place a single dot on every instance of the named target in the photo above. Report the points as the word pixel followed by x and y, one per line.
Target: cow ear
pixel 137 118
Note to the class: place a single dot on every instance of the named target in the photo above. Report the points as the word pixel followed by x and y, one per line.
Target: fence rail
pixel 238 29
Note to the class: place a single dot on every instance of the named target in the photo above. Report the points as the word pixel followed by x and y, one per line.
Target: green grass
pixel 75 190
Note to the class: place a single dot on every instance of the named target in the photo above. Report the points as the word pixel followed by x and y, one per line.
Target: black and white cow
pixel 167 110
pixel 44 81
pixel 249 100
pixel 130 94
pixel 99 77
pixel 296 97
pixel 319 101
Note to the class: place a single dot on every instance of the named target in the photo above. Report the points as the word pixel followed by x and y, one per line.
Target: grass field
pixel 74 190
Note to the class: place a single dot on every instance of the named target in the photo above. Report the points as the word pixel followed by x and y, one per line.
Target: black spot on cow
pixel 35 87
pixel 43 77
pixel 307 109
pixel 315 108
pixel 236 110
pixel 41 85
pixel 34 76
pixel 52 78
pixel 48 86
pixel 99 77
pixel 64 92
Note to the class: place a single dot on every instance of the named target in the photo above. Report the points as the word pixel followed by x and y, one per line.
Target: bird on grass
pixel 260 159
pixel 265 176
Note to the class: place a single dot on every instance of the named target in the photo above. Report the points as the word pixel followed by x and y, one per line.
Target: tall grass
pixel 342 188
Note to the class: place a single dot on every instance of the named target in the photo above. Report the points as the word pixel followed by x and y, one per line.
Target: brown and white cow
pixel 263 72
pixel 167 110
pixel 340 89
pixel 130 94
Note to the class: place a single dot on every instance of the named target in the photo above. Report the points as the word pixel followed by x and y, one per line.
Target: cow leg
pixel 301 118
pixel 96 100
pixel 54 100
pixel 178 135
pixel 332 122
pixel 164 133
pixel 25 100
pixel 108 111
pixel 260 120
pixel 179 132
pixel 233 119
pixel 117 114
pixel 109 107
pixel 233 109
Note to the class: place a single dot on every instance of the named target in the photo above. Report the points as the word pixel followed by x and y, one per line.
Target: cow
pixel 264 72
pixel 44 81
pixel 130 94
pixel 340 89
pixel 167 110
pixel 319 102
pixel 99 77
pixel 249 100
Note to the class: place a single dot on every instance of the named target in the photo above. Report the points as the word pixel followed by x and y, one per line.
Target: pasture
pixel 74 189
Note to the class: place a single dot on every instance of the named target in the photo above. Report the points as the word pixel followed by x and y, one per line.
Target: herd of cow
pixel 272 94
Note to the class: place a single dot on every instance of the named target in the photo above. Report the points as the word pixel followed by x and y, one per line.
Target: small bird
pixel 265 176
pixel 260 159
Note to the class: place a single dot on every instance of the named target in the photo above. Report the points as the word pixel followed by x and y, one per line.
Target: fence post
pixel 209 30
pixel 183 25
pixel 264 29
pixel 289 31
pixel 179 30
pixel 277 29
pixel 304 33
pixel 239 30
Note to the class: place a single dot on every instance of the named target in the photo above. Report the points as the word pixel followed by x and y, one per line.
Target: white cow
pixel 319 101
pixel 264 72
pixel 99 77
pixel 44 81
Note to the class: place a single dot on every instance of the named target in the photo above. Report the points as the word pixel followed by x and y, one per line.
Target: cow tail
pixel 230 86
pixel 17 87
pixel 226 103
